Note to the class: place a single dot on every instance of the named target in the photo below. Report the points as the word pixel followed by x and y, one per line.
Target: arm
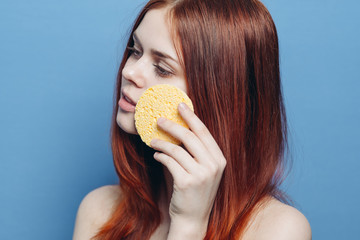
pixel 289 224
pixel 94 210
pixel 196 169
pixel 278 221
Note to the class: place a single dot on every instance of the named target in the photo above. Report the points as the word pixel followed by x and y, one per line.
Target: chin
pixel 126 123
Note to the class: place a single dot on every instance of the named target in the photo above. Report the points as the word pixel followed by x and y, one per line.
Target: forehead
pixel 154 31
pixel 155 18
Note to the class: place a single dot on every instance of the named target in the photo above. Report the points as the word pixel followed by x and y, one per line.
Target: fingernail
pixel 153 142
pixel 161 120
pixel 182 106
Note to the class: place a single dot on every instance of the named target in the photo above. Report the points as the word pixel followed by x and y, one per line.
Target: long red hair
pixel 229 51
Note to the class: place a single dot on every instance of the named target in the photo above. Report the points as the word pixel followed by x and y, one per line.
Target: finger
pixel 189 139
pixel 201 131
pixel 172 165
pixel 182 157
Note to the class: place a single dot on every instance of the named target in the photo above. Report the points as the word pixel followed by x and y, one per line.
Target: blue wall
pixel 58 62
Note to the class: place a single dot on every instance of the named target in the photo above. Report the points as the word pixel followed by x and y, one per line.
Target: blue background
pixel 58 63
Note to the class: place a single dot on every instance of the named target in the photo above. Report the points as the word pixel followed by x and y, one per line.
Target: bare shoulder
pixel 94 210
pixel 276 220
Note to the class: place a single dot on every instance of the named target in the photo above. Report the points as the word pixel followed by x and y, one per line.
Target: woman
pixel 222 182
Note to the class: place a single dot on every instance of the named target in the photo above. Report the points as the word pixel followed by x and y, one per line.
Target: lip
pixel 126 103
pixel 129 98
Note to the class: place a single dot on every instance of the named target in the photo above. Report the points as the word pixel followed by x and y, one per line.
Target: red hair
pixel 229 51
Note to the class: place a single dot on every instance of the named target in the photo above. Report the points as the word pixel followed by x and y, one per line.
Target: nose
pixel 133 71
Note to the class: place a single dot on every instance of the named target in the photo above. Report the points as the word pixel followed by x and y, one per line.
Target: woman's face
pixel 153 61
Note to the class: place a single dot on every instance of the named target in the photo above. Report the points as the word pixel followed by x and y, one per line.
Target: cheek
pixel 182 86
pixel 178 82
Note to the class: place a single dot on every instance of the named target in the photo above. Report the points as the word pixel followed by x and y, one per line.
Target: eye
pixel 161 72
pixel 134 52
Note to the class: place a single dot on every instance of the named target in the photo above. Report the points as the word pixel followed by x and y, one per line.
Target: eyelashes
pixel 159 71
pixel 134 52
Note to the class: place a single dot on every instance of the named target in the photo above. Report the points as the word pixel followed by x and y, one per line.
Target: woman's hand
pixel 196 170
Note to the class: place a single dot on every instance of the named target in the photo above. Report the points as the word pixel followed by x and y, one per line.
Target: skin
pixel 193 170
pixel 140 73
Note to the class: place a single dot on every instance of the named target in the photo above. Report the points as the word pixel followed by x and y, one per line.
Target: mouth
pixel 129 100
pixel 126 103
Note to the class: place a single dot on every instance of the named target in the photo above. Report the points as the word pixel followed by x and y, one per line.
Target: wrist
pixel 186 229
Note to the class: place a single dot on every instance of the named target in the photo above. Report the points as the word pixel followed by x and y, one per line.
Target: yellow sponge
pixel 159 101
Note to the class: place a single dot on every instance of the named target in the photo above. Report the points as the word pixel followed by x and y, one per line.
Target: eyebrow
pixel 162 55
pixel 154 51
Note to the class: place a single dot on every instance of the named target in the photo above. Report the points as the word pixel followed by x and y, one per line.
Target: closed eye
pixel 161 72
pixel 134 52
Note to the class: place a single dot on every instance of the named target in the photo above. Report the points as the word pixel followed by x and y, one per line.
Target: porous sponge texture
pixel 159 101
